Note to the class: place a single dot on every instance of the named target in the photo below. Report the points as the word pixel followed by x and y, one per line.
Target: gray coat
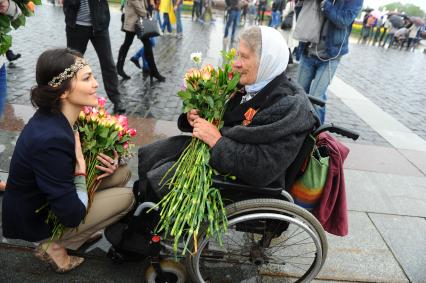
pixel 257 154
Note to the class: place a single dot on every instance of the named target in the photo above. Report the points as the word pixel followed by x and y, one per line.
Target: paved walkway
pixel 385 171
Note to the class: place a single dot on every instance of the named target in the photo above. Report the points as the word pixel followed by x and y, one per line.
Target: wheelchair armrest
pixel 222 182
pixel 337 130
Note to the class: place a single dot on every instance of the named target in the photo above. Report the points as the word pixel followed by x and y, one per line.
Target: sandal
pixel 43 256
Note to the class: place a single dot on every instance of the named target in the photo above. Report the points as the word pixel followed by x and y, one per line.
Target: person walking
pixel 391 30
pixel 178 12
pixel 89 20
pixel 318 62
pixel 287 30
pixel 261 9
pixel 195 9
pixel 134 10
pixel 234 10
pixel 277 8
pixel 166 7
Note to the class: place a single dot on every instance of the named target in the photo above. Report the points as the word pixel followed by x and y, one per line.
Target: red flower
pixel 101 102
pixel 230 75
pixel 131 132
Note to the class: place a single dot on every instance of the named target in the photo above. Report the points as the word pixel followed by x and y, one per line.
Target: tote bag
pixel 307 189
pixel 309 22
pixel 146 28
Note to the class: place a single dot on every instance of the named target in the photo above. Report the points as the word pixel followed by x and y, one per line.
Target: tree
pixel 409 9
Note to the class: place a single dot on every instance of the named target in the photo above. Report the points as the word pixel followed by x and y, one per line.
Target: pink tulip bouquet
pixel 100 132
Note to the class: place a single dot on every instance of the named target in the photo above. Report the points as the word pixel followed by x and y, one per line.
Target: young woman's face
pixel 246 64
pixel 83 88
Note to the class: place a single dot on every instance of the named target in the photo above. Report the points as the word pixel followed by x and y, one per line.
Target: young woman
pixel 48 166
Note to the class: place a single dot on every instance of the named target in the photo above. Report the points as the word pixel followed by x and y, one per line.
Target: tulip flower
pixel 101 102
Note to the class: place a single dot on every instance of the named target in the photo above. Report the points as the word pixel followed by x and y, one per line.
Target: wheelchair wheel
pixel 266 238
pixel 174 271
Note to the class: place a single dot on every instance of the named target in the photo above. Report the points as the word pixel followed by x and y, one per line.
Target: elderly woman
pixel 257 153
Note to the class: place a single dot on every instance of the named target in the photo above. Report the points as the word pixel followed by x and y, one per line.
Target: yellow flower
pixel 118 127
pixel 209 68
pixel 206 75
pixel 81 115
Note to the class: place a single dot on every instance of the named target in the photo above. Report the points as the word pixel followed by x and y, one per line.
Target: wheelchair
pixel 268 236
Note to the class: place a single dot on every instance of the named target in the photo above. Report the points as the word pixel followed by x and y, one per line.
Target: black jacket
pixel 233 4
pixel 257 154
pixel 278 5
pixel 41 172
pixel 99 12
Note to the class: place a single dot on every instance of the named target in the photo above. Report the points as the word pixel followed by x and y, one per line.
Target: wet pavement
pixel 398 91
pixel 393 79
pixel 377 172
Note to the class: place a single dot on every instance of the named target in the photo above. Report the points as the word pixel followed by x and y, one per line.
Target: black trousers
pixel 78 38
pixel 149 54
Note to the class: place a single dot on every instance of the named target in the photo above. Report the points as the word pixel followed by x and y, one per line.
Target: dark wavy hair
pixel 49 65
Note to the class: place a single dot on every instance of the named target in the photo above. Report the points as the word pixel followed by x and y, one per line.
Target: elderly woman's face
pixel 246 64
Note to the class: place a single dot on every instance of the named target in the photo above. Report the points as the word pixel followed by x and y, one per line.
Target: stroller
pixel 268 235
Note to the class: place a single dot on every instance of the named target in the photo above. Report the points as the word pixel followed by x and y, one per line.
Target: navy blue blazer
pixel 41 172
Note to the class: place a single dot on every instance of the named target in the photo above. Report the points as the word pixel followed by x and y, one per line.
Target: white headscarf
pixel 273 60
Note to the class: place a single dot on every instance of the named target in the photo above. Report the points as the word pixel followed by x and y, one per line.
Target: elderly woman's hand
pixel 109 164
pixel 206 131
pixel 191 116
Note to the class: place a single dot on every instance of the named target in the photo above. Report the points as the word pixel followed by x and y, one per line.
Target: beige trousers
pixel 111 202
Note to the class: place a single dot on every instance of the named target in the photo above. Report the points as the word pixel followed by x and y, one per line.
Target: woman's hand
pixel 191 116
pixel 206 131
pixel 109 164
pixel 80 165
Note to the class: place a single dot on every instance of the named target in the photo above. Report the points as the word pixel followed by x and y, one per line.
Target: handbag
pixel 288 21
pixel 310 22
pixel 307 189
pixel 146 28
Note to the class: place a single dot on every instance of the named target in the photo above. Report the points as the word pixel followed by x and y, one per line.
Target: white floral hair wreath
pixel 68 72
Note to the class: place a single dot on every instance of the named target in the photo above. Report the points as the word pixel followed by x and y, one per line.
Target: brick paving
pixel 393 79
pixel 390 78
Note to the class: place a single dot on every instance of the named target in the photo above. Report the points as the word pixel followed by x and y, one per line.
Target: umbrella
pixel 417 21
pixel 368 10
pixel 376 13
pixel 396 21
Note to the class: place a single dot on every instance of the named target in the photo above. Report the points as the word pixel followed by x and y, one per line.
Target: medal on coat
pixel 249 116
